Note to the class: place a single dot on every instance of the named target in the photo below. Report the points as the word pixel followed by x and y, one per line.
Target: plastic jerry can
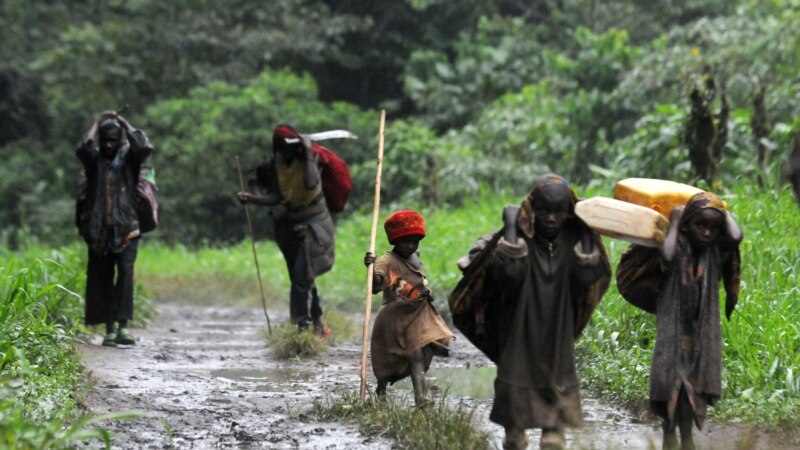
pixel 623 220
pixel 658 195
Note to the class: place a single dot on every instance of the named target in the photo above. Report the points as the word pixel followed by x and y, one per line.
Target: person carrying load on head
pixel 679 283
pixel 112 153
pixel 541 278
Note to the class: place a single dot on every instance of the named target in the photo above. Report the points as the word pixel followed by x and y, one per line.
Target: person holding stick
pixel 408 330
pixel 290 183
pixel 112 153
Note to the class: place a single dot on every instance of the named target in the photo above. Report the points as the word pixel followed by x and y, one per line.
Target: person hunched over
pixel 290 183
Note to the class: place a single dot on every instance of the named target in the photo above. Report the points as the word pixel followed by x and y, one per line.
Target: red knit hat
pixel 404 223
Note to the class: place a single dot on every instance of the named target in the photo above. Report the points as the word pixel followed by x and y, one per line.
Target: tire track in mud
pixel 204 378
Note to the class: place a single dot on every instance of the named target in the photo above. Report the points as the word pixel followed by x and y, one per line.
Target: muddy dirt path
pixel 204 378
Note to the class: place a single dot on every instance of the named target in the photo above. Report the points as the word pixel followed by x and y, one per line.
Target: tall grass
pixel 40 373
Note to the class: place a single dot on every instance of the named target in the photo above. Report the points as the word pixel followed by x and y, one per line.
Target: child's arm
pixel 509 260
pixel 671 240
pixel 377 279
pixel 510 217
pixel 590 262
pixel 732 230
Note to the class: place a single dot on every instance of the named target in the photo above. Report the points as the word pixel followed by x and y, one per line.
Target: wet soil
pixel 203 377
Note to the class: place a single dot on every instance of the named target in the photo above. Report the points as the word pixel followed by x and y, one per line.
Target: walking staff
pixel 371 267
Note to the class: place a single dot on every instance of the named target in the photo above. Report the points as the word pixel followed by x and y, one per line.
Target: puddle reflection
pixel 267 379
pixel 474 382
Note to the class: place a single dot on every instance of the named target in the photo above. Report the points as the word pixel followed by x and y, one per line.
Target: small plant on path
pixel 439 426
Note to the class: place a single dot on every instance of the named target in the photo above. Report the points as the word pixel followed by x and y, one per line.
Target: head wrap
pixel 730 260
pixel 404 223
pixel 110 122
pixel 526 216
pixel 586 297
pixel 701 201
pixel 281 134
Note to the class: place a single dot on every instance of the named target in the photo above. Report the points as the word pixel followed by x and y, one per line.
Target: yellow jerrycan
pixel 622 220
pixel 658 195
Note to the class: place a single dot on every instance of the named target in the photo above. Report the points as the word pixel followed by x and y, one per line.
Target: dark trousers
pixel 109 286
pixel 304 304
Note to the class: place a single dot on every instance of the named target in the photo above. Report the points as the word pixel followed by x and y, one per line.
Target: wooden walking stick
pixel 253 242
pixel 371 268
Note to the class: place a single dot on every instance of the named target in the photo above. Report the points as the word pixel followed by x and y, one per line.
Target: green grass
pixel 287 341
pixel 40 372
pixel 438 427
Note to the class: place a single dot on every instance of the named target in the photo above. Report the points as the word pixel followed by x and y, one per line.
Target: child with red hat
pixel 408 328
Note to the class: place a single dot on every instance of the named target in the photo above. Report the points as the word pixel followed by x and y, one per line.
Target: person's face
pixel 551 208
pixel 110 140
pixel 288 151
pixel 407 245
pixel 704 227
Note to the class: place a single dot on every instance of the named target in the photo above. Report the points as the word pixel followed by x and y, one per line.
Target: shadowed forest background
pixel 478 95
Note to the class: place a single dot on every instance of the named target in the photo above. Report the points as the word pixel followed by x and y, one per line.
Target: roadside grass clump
pixel 437 427
pixel 342 328
pixel 289 342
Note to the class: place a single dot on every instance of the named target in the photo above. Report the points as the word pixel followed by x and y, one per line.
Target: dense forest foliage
pixel 479 95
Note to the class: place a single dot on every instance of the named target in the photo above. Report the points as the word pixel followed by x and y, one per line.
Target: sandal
pixel 321 329
pixel 110 340
pixel 125 337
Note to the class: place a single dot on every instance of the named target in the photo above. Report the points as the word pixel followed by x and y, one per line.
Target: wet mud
pixel 203 377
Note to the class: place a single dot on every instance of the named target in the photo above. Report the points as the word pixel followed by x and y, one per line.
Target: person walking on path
pixel 701 249
pixel 290 183
pixel 111 153
pixel 544 278
pixel 408 329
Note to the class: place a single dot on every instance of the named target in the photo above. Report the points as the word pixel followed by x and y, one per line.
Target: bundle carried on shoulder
pixel 145 202
pixel 336 180
pixel 639 276
pixel 468 300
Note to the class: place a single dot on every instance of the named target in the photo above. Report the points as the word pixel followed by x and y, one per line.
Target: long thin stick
pixel 253 242
pixel 371 268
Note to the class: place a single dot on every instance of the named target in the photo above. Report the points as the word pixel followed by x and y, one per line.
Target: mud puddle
pixel 203 378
